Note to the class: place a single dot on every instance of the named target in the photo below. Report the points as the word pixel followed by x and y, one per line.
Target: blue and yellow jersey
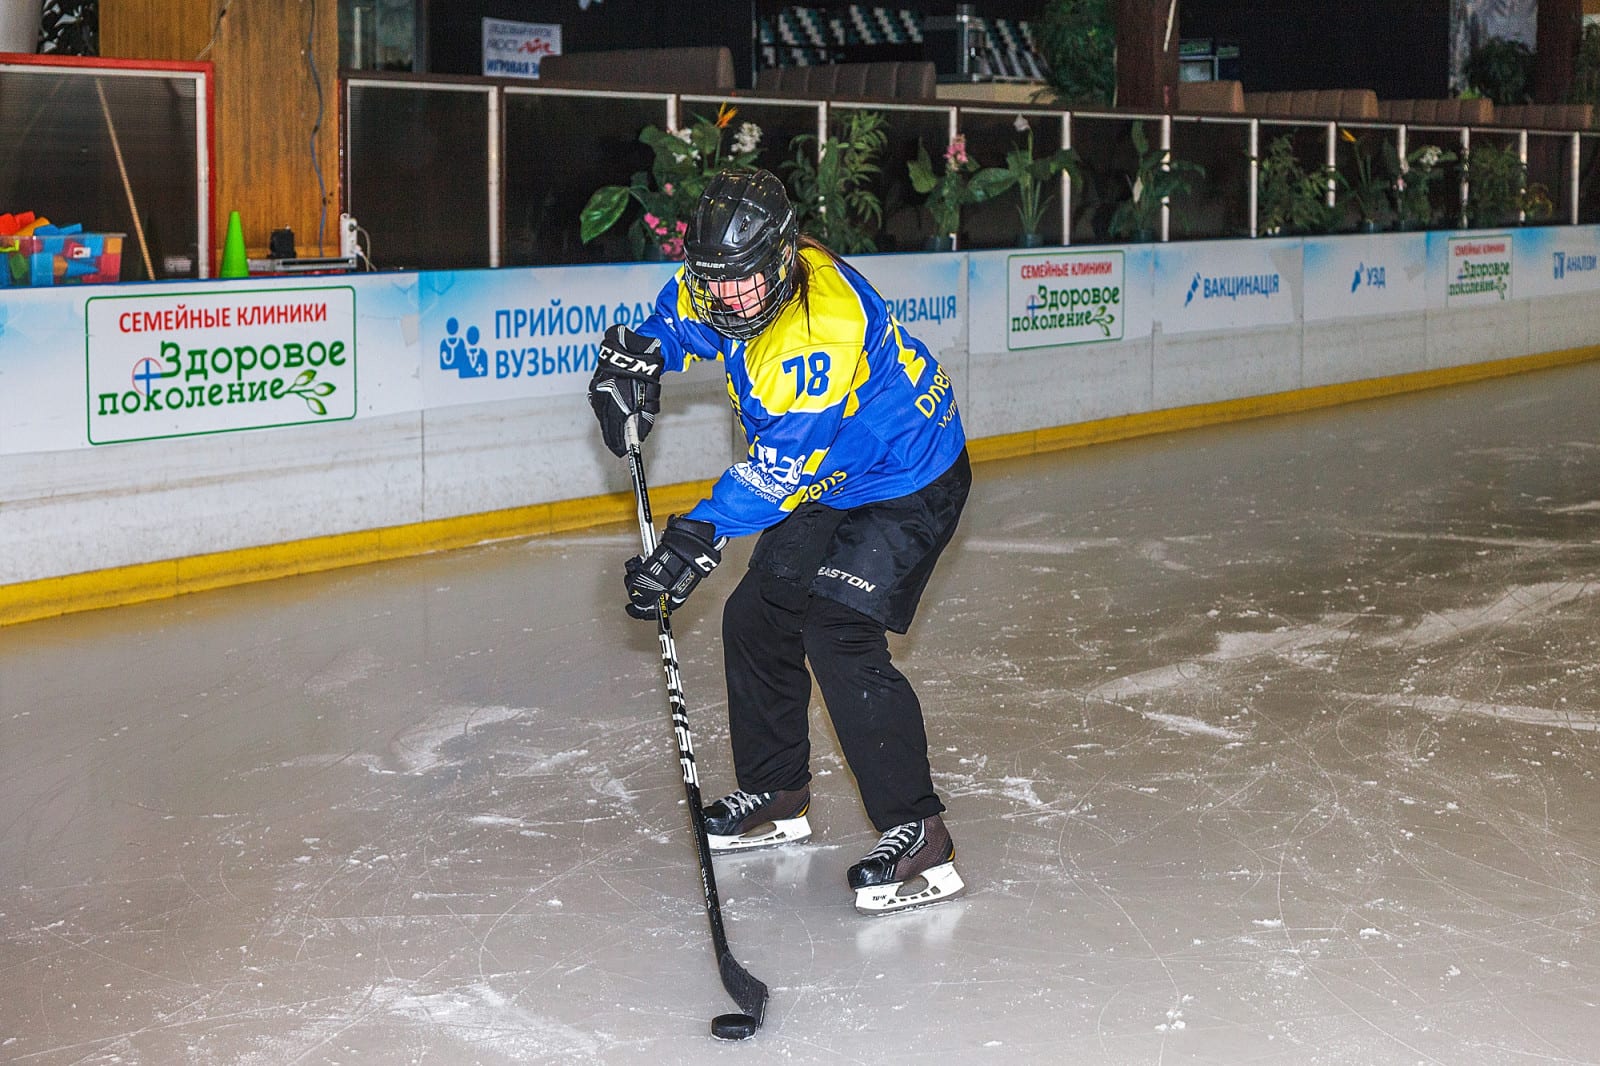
pixel 839 403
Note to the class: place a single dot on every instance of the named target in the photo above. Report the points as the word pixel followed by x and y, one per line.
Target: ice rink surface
pixel 1266 743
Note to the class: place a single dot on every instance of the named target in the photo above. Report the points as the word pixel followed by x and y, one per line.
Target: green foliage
pixel 963 182
pixel 1501 69
pixel 1156 177
pixel 1498 192
pixel 1372 191
pixel 831 188
pixel 1586 67
pixel 1078 41
pixel 1035 176
pixel 1291 199
pixel 685 162
pixel 1413 199
pixel 1495 177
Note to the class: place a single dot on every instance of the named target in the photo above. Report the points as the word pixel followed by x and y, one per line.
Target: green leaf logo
pixel 304 388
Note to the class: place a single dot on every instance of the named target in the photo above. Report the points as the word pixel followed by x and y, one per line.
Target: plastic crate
pixel 62 259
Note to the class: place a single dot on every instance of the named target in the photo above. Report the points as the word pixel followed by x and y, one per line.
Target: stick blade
pixel 748 992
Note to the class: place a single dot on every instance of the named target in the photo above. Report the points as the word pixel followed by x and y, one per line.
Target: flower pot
pixel 943 242
pixel 1030 240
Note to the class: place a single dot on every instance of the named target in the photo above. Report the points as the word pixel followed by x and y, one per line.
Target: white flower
pixel 1021 125
pixel 1430 157
pixel 747 138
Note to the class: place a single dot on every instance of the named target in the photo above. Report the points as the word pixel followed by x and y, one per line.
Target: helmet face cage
pixel 742 253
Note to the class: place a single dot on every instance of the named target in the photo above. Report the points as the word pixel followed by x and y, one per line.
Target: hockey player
pixel 855 478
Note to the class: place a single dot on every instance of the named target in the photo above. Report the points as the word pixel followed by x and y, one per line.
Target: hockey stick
pixel 748 992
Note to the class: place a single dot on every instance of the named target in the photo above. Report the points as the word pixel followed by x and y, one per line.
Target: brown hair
pixel 802 281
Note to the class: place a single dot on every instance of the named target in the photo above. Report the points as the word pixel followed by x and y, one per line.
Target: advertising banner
pixel 925 292
pixel 1477 268
pixel 1367 274
pixel 1065 298
pixel 514 49
pixel 1556 260
pixel 1219 285
pixel 193 362
pixel 506 334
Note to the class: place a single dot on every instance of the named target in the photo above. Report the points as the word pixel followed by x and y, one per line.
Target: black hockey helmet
pixel 741 252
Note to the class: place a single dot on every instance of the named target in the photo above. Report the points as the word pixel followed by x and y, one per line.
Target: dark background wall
pixel 455 35
pixel 455 28
pixel 1398 48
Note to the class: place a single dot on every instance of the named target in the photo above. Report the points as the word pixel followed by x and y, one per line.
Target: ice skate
pixel 912 866
pixel 743 821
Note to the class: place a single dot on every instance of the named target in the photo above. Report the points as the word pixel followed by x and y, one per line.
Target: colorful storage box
pixel 61 259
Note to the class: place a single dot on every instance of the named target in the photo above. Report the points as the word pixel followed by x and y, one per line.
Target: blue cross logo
pixel 147 372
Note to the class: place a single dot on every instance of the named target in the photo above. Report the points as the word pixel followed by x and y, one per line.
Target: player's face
pixel 744 296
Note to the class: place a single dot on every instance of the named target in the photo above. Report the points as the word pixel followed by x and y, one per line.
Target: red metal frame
pixel 201 67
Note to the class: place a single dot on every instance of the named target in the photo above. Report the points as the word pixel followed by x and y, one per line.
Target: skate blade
pixel 934 885
pixel 766 835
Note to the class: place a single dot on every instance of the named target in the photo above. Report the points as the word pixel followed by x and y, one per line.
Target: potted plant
pixel 1500 69
pixel 1496 182
pixel 963 182
pixel 832 195
pixel 1290 199
pixel 1372 192
pixel 1034 178
pixel 1412 182
pixel 1156 178
pixel 1078 41
pixel 685 162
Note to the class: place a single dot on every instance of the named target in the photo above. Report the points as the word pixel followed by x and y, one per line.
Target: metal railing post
pixel 497 207
pixel 1255 177
pixel 1333 163
pixel 1522 184
pixel 1166 164
pixel 1576 156
pixel 1066 181
pixel 955 130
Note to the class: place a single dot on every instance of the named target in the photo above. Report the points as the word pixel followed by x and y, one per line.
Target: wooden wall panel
pixel 155 29
pixel 267 104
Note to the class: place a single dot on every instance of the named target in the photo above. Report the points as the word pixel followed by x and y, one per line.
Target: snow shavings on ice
pixel 1517 604
pixel 476 1017
pixel 420 748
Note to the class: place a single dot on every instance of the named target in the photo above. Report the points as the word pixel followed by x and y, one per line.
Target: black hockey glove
pixel 626 382
pixel 688 551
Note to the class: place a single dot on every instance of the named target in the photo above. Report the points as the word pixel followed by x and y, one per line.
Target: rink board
pixel 141 424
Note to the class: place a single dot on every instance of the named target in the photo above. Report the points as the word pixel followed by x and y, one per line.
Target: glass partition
pixel 116 147
pixel 561 147
pixel 422 172
pixel 470 172
pixel 907 226
pixel 1220 203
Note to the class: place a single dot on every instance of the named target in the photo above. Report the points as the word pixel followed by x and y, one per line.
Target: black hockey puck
pixel 733 1027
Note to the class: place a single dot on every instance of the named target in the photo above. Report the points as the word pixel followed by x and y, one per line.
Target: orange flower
pixel 725 115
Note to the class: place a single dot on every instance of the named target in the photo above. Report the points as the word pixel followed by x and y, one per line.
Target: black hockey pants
pixel 773 625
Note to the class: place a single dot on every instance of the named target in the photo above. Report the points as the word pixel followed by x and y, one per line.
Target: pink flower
pixel 666 187
pixel 956 154
pixel 672 249
pixel 683 227
pixel 650 220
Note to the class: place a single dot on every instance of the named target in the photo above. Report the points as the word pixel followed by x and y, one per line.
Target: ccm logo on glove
pixel 626 385
pixel 687 552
